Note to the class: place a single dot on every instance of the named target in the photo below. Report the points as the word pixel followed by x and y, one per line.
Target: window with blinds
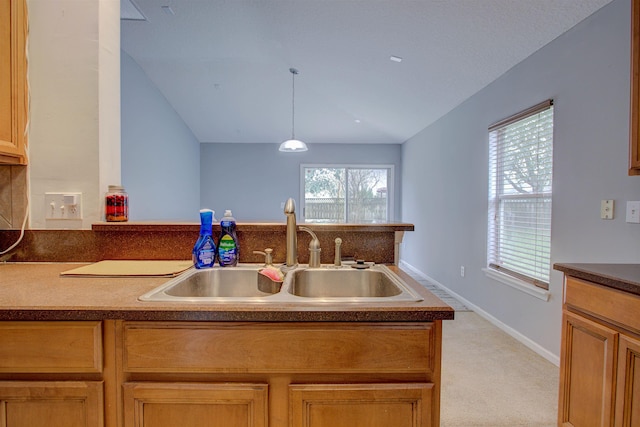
pixel 520 177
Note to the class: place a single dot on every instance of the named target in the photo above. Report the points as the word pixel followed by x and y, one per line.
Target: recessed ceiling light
pixel 168 10
pixel 395 58
pixel 357 120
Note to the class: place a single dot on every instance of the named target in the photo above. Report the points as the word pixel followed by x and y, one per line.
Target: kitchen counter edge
pixel 623 277
pixel 64 298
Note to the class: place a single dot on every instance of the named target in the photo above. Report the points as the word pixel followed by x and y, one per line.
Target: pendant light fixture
pixel 293 145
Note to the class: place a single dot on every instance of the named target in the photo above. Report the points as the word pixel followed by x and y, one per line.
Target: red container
pixel 116 204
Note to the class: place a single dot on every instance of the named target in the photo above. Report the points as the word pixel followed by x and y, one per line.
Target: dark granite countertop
pixel 36 291
pixel 624 277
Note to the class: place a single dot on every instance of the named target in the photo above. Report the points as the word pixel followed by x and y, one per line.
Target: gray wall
pixel 160 155
pixel 169 175
pixel 253 180
pixel 444 176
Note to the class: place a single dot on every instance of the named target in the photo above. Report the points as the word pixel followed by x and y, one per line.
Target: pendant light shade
pixel 293 145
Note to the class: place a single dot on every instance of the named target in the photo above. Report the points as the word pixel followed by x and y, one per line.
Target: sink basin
pixel 238 283
pixel 376 284
pixel 351 283
pixel 243 284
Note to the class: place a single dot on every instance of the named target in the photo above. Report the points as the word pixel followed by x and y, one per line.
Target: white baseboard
pixel 537 348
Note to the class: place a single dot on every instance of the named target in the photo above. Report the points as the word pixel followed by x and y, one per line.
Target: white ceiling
pixel 224 64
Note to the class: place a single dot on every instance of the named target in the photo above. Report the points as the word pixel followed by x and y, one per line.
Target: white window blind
pixel 520 178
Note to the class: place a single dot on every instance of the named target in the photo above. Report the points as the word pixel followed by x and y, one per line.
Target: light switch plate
pixel 633 212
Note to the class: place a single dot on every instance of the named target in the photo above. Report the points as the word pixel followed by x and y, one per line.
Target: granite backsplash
pixel 378 243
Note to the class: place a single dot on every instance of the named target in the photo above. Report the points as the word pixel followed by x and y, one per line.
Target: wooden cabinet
pixel 371 405
pixel 13 82
pixel 628 403
pixel 283 374
pixel 634 117
pixel 587 380
pixel 195 405
pixel 54 404
pixel 116 373
pixel 52 347
pixel 51 374
pixel 599 382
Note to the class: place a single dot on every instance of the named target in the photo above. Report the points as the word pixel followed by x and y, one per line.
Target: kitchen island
pixel 87 349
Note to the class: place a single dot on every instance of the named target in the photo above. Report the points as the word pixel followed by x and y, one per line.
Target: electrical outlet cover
pixel 606 209
pixel 63 205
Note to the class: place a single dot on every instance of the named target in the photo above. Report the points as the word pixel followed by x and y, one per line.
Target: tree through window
pixel 346 194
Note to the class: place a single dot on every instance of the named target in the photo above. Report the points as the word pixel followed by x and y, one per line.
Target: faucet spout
pixel 292 236
pixel 314 248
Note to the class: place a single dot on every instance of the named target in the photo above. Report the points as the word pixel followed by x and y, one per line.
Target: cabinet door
pixel 13 92
pixel 628 393
pixel 634 125
pixel 587 373
pixel 51 404
pixel 370 405
pixel 195 405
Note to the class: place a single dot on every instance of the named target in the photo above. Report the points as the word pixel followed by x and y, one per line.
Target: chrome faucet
pixel 292 236
pixel 292 239
pixel 314 248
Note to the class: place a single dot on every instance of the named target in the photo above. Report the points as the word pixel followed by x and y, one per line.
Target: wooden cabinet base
pixel 312 374
pixel 115 373
pixel 599 357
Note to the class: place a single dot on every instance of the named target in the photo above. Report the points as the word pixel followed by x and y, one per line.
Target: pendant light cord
pixel 293 102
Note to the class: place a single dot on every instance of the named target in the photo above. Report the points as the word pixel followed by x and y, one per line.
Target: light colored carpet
pixel 489 379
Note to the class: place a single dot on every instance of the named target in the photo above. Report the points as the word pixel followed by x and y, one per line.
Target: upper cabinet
pixel 634 143
pixel 13 82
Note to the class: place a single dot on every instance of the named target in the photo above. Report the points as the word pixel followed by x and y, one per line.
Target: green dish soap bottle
pixel 228 248
pixel 204 251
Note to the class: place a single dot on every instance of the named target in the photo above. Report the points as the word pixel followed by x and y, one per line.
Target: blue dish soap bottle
pixel 204 251
pixel 228 248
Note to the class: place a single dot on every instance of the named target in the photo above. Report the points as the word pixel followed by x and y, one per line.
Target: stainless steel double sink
pixel 243 284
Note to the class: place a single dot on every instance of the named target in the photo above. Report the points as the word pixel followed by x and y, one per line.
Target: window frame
pixel 497 195
pixel 390 184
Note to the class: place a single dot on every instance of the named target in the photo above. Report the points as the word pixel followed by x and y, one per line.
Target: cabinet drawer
pixel 279 347
pixel 617 307
pixel 50 347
